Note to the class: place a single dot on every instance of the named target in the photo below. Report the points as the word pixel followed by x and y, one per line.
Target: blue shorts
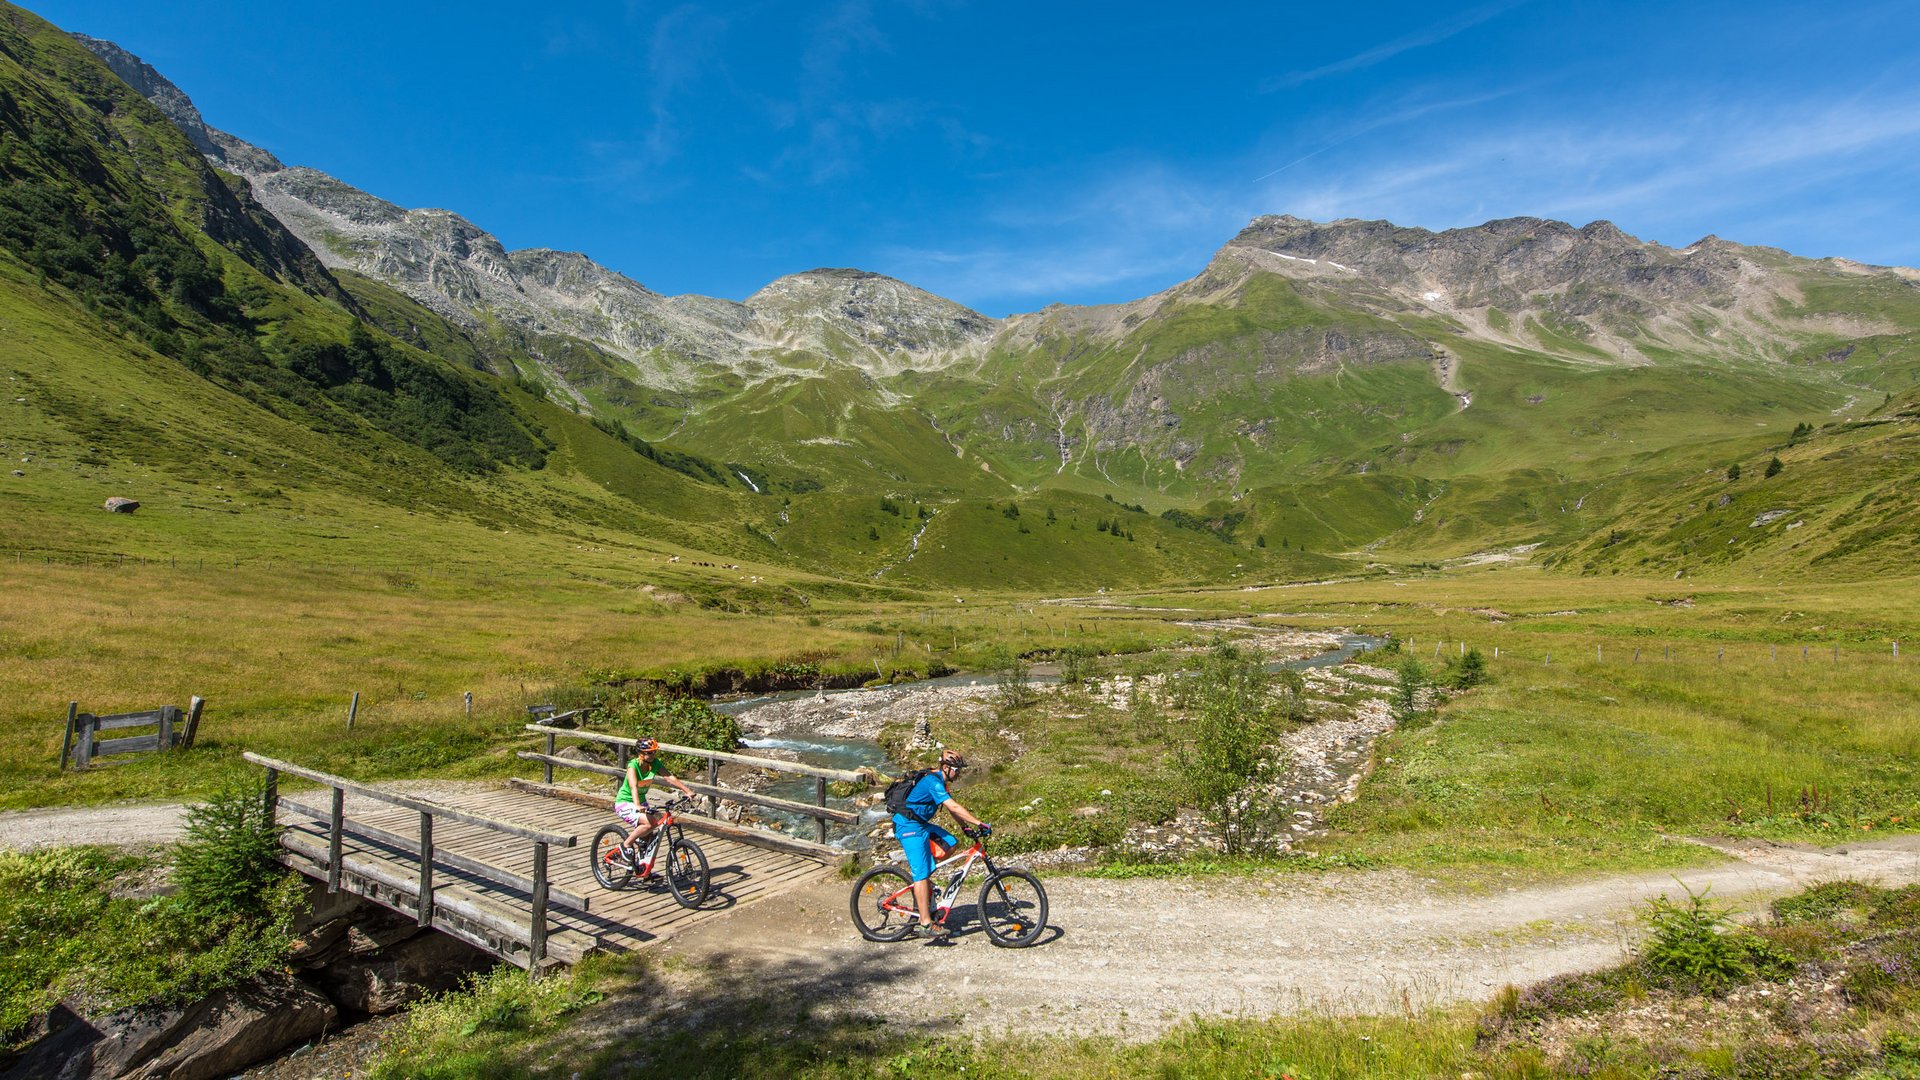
pixel 915 839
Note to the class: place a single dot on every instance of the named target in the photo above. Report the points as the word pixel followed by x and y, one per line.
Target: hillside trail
pixel 1130 958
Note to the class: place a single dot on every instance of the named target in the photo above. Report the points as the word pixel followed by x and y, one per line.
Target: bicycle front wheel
pixel 1013 908
pixel 881 904
pixel 687 873
pixel 610 866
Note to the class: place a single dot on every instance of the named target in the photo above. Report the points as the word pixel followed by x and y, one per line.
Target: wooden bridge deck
pixel 625 920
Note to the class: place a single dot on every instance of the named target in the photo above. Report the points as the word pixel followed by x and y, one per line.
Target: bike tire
pixel 687 873
pixel 616 873
pixel 874 922
pixel 1013 908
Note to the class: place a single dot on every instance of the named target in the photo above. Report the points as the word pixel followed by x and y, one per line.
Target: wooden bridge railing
pixel 537 887
pixel 818 809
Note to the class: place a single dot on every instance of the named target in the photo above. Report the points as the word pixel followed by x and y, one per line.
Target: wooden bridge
pixel 509 866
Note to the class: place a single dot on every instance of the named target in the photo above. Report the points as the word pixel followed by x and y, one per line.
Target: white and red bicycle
pixel 1012 906
pixel 616 863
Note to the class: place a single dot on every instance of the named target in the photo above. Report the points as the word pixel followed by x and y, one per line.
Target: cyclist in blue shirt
pixel 926 843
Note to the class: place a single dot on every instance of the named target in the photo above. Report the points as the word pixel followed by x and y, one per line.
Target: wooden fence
pixel 173 729
pixel 427 908
pixel 818 809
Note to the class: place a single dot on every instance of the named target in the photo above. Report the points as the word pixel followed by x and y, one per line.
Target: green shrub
pixel 1467 671
pixel 1229 723
pixel 230 858
pixel 1697 946
pixel 1010 673
pixel 1410 680
pixel 1825 901
pixel 683 721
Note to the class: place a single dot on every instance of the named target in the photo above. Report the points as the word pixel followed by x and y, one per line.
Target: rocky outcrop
pixel 216 1036
pixel 120 504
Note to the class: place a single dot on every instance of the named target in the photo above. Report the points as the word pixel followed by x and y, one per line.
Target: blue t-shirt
pixel 924 800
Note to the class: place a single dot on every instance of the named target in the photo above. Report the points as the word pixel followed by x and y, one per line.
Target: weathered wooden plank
pixel 130 745
pixel 497 917
pixel 466 863
pixel 423 806
pixel 755 798
pixel 742 833
pixel 129 719
pixel 863 776
pixel 85 722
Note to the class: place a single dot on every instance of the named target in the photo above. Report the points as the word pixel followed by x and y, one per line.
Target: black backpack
pixel 899 790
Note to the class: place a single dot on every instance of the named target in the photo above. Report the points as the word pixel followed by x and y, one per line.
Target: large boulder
pixel 216 1036
pixel 120 505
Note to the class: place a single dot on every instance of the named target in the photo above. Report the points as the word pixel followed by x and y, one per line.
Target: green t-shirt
pixel 644 773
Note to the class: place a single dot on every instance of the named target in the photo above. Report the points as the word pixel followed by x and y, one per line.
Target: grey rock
pixel 216 1036
pixel 120 505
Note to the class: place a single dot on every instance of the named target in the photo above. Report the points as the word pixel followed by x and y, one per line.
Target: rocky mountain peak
pixel 871 310
pixel 225 151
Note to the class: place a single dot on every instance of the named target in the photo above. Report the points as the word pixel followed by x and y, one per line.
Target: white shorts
pixel 629 813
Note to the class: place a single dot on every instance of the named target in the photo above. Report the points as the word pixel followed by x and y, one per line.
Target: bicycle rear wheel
pixel 687 873
pixel 610 866
pixel 876 917
pixel 1013 908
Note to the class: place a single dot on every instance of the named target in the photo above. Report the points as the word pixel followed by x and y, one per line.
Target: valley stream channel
pixel 838 729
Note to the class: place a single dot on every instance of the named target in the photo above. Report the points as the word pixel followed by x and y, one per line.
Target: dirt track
pixel 1132 957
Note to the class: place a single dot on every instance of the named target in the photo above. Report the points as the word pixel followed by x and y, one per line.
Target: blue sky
pixel 1013 155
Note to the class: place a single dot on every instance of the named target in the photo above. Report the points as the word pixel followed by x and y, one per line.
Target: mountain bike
pixel 616 863
pixel 1012 906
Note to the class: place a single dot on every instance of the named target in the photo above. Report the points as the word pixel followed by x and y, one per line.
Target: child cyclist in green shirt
pixel 631 802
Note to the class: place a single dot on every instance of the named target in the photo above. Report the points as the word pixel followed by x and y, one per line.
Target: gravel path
pixel 1131 958
pixel 148 824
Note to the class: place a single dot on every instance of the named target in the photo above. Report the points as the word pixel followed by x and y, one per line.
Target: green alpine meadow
pixel 1486 651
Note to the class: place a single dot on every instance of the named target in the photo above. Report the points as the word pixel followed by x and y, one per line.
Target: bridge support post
pixel 713 780
pixel 424 904
pixel 549 764
pixel 270 795
pixel 537 930
pixel 335 827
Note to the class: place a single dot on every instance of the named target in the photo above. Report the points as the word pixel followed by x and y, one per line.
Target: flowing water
pixel 839 753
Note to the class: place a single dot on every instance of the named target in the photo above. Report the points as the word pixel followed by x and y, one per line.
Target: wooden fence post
pixel 66 740
pixel 193 720
pixel 469 704
pixel 334 830
pixel 270 795
pixel 537 930
pixel 424 904
pixel 87 723
pixel 713 780
pixel 352 708
pixel 820 799
pixel 549 765
pixel 167 715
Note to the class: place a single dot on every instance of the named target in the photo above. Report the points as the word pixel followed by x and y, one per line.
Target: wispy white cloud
pixel 1367 58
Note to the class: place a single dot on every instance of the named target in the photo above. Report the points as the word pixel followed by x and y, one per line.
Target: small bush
pixel 230 858
pixel 682 720
pixel 1698 946
pixel 1409 682
pixel 1010 674
pixel 1467 671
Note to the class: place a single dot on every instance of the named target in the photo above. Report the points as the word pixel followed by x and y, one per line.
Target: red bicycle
pixel 1012 907
pixel 616 863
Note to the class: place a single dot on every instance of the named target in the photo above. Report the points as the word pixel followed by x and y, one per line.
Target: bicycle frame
pixel 943 901
pixel 643 863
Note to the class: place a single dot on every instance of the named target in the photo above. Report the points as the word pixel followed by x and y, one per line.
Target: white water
pixel 750 483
